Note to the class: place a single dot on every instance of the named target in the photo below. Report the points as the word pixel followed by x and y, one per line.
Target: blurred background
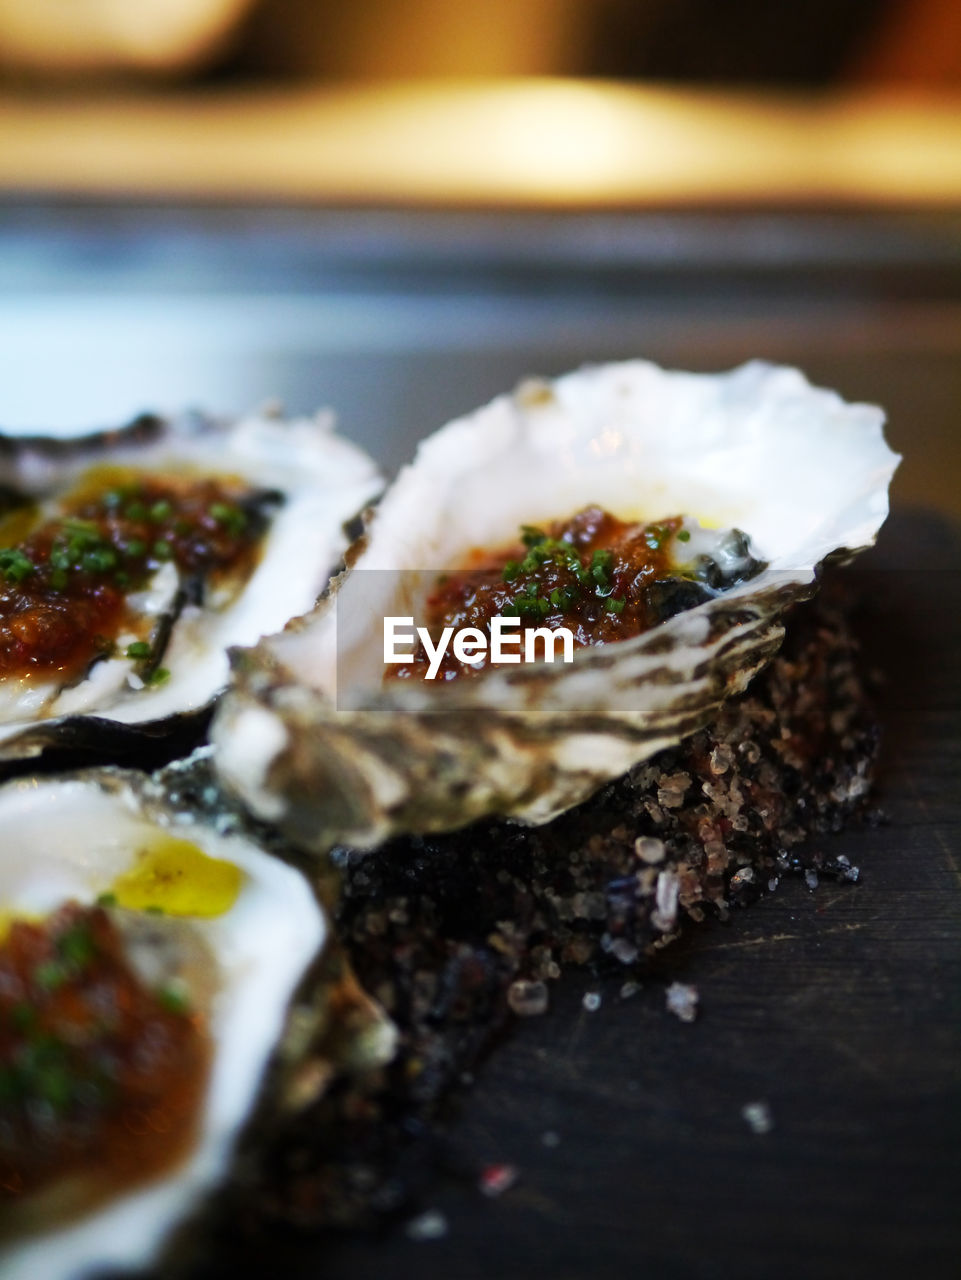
pixel 747 41
pixel 401 207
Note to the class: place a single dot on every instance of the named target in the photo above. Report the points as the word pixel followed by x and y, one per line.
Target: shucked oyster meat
pixel 312 743
pixel 131 560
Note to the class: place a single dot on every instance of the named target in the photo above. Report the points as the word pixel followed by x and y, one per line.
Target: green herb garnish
pixel 76 946
pixel 50 975
pixel 232 518
pixel 173 1001
pixel 99 559
pixel 14 564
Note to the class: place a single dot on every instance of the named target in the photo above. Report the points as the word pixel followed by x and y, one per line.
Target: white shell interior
pixel 70 839
pixel 327 481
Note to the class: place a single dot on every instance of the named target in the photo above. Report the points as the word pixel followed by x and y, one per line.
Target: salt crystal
pixel 591 1001
pixel 666 895
pixel 527 999
pixel 497 1178
pixel 630 989
pixel 431 1225
pixel 811 878
pixel 649 849
pixel 624 951
pixel 758 1117
pixel 682 1001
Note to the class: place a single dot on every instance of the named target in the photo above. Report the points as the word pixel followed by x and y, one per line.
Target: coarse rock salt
pixel 757 1116
pixel 649 849
pixel 624 951
pixel 672 789
pixel 527 999
pixel 497 1178
pixel 666 894
pixel 682 1001
pixel 431 1225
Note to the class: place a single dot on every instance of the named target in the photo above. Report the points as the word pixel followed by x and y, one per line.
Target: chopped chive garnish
pixel 99 559
pixel 162 550
pixel 173 1001
pixel 14 564
pixel 135 547
pixel 615 605
pixel 23 1016
pixel 158 677
pixel 684 535
pixel 107 900
pixel 160 510
pixel 510 571
pixel 50 975
pixel 139 649
pixel 232 518
pixel 76 946
pixel 136 511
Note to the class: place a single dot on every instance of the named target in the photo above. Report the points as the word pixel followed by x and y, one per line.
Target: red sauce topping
pixel 64 586
pixel 590 573
pixel 99 1076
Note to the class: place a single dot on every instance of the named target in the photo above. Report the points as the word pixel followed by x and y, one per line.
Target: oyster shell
pixel 314 482
pixel 241 962
pixel 309 746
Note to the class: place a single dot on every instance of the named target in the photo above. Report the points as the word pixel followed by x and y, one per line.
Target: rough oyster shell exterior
pixel 802 472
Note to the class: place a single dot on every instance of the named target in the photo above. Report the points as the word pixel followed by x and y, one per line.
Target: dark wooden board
pixel 837 1007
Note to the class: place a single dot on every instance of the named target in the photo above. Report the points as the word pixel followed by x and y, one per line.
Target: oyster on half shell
pixel 294 485
pixel 206 919
pixel 804 474
pixel 204 914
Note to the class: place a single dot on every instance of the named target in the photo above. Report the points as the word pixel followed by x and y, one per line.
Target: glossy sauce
pixel 101 1079
pixel 64 583
pixel 591 574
